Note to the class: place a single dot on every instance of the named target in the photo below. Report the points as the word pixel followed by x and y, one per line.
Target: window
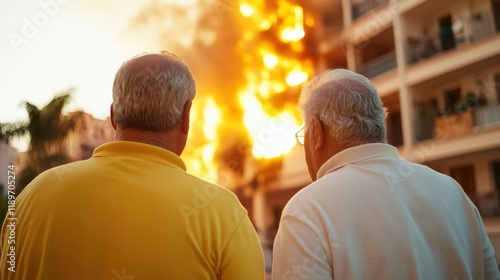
pixel 445 33
pixel 496 174
pixel 496 80
pixel 495 4
pixel 451 98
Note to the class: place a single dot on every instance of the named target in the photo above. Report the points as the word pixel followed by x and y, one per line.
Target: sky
pixel 49 46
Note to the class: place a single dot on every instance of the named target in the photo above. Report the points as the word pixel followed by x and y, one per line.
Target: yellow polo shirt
pixel 129 212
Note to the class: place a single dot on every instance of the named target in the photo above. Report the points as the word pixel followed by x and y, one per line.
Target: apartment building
pixel 436 66
pixel 88 134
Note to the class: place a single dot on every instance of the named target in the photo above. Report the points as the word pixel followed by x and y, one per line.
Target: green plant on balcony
pixel 471 101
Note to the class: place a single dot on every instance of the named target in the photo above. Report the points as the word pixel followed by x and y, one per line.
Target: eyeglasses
pixel 300 136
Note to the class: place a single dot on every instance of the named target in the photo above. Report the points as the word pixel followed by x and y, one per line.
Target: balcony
pixel 487 115
pixel 378 65
pixel 489 204
pixel 464 31
pixel 453 124
pixel 458 123
pixel 362 7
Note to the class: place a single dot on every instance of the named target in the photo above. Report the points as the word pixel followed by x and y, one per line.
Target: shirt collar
pixel 141 151
pixel 356 154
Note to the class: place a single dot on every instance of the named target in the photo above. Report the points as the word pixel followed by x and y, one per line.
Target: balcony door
pixel 451 98
pixel 446 33
pixel 496 80
pixel 495 5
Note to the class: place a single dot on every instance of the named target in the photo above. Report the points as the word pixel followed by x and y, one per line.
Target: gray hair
pixel 150 92
pixel 348 104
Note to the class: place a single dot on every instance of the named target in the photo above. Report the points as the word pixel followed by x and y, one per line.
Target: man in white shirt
pixel 370 214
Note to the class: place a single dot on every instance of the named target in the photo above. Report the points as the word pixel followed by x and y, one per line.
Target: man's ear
pixel 317 133
pixel 185 117
pixel 112 116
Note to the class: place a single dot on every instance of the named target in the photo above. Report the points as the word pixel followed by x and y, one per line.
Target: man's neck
pixel 165 140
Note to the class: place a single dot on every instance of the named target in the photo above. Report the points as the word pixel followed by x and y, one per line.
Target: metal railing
pixel 465 30
pixel 378 65
pixel 480 116
pixel 487 114
pixel 489 204
pixel 362 7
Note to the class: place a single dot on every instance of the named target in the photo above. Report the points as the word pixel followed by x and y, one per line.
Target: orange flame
pixel 199 160
pixel 272 71
pixel 272 136
pixel 269 74
pixel 293 23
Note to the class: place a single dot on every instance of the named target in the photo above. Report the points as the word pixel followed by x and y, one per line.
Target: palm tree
pixel 47 129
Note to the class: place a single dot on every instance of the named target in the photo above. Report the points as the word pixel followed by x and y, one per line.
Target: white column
pixel 405 93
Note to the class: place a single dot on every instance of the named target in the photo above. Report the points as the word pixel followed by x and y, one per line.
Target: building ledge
pixel 436 149
pixel 369 25
pixel 492 226
pixel 452 60
pixel 386 83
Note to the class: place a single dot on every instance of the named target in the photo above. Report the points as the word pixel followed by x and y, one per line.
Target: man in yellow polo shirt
pixel 132 211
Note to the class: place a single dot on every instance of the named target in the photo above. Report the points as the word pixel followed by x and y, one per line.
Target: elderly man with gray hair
pixel 131 211
pixel 370 214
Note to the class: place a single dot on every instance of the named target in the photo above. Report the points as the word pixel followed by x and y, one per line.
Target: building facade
pixel 88 134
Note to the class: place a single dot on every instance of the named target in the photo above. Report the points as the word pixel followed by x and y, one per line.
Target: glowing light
pixel 290 34
pixel 293 25
pixel 207 153
pixel 246 10
pixel 267 73
pixel 296 77
pixel 212 117
pixel 265 24
pixel 270 60
pixel 272 136
pixel 200 159
pixel 310 22
pixel 278 87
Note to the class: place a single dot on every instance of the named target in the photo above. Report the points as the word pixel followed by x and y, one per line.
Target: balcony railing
pixel 466 31
pixel 364 6
pixel 458 123
pixel 487 114
pixel 453 124
pixel 489 204
pixel 378 65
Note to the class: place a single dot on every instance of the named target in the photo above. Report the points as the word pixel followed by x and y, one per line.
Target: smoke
pixel 224 49
pixel 208 37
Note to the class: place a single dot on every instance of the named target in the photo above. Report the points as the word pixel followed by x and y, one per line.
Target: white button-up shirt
pixel 373 215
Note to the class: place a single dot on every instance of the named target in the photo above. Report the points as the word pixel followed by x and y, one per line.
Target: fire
pixel 270 46
pixel 249 58
pixel 270 60
pixel 272 130
pixel 200 159
pixel 246 10
pixel 296 77
pixel 293 22
pixel 270 74
pixel 273 136
pixel 212 117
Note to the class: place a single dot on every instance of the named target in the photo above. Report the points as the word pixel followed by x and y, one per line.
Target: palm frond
pixel 8 131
